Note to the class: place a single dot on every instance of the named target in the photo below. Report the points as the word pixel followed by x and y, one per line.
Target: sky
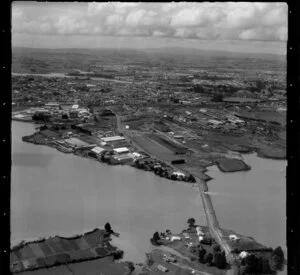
pixel 227 26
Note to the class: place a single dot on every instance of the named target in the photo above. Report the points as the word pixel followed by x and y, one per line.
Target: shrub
pixel 277 259
pixel 191 222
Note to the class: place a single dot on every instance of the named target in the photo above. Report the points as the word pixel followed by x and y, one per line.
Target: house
pixel 199 231
pixel 233 237
pixel 178 174
pixel 244 254
pixel 175 238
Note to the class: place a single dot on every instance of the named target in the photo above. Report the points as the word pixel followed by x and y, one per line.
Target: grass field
pixel 153 148
pixel 172 146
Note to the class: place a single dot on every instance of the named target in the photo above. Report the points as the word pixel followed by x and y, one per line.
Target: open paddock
pixel 153 148
pixel 170 145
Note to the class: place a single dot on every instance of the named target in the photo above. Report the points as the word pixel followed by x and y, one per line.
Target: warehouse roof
pixel 114 138
pixel 121 150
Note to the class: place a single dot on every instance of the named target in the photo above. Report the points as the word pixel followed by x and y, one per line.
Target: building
pixel 52 106
pixel 96 151
pixel 175 238
pixel 199 231
pixel 244 254
pixel 111 139
pixel 122 159
pixel 121 150
pixel 233 238
pixel 178 174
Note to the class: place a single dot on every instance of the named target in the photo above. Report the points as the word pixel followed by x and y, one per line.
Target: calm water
pixel 252 203
pixel 54 193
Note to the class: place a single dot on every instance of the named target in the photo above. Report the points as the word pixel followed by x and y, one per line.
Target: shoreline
pixel 243 167
pixel 57 251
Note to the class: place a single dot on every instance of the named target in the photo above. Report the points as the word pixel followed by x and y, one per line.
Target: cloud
pixel 216 20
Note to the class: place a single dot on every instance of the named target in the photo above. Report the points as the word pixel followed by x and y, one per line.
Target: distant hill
pixel 167 50
pixel 213 53
pixel 64 60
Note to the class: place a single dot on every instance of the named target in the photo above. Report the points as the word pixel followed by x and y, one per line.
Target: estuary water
pixel 53 193
pixel 252 203
pixel 59 194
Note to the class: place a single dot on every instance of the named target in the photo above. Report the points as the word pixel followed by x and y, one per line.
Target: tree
pixel 277 259
pixel 275 263
pixel 64 116
pixel 201 255
pixel 108 228
pixel 208 258
pixel 251 264
pixel 216 248
pixel 220 260
pixel 191 222
pixel 130 267
pixel 155 239
pixel 40 116
pixel 217 98
pixel 191 178
pixel 156 236
pixel 173 177
pixel 264 266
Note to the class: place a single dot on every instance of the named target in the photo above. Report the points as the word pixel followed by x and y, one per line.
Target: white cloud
pixel 216 20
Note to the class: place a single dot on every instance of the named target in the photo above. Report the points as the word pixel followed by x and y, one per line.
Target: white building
pixel 178 174
pixel 233 237
pixel 110 139
pixel 175 238
pixel 121 150
pixel 97 150
pixel 199 231
pixel 243 254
